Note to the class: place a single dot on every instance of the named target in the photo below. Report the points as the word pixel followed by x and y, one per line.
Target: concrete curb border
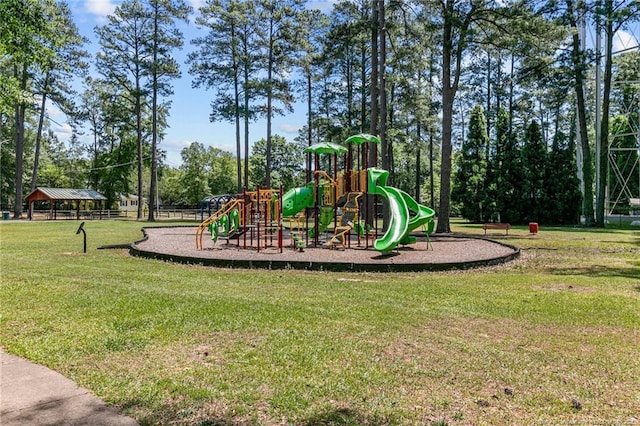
pixel 134 250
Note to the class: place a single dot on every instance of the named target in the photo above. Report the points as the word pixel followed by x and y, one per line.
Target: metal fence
pixel 162 214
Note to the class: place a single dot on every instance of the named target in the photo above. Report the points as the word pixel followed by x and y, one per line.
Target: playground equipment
pixel 256 216
pixel 212 203
pixel 342 198
pixel 348 221
pixel 400 205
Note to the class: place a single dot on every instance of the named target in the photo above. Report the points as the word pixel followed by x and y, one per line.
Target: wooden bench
pixel 504 226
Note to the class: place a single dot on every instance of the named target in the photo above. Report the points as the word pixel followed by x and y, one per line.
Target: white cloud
pixel 224 146
pixel 54 112
pixel 322 5
pixel 174 145
pixel 62 131
pixel 173 148
pixel 623 40
pixel 59 125
pixel 289 128
pixel 100 8
pixel 196 4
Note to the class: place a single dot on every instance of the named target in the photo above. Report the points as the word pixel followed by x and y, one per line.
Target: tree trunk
pixel 432 186
pixel 578 70
pixel 20 112
pixel 363 85
pixel 247 116
pixel 154 120
pixel 418 154
pixel 445 168
pixel 140 214
pixel 309 123
pixel 432 197
pixel 236 106
pixel 349 81
pixel 36 158
pixel 511 95
pixel 373 125
pixel 604 123
pixel 382 74
pixel 236 96
pixel 267 178
pixel 448 94
pixel 488 111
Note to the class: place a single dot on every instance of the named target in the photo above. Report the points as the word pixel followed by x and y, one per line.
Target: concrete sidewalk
pixel 31 394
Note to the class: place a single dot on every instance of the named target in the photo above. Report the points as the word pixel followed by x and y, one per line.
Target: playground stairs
pixel 350 215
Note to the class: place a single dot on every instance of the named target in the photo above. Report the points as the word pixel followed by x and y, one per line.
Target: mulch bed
pixel 178 244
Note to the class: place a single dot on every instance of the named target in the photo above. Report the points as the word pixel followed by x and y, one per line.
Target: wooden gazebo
pixel 55 195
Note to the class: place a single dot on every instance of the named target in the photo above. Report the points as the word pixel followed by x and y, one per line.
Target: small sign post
pixel 84 233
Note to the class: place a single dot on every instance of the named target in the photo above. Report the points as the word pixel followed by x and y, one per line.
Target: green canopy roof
pixel 362 138
pixel 325 148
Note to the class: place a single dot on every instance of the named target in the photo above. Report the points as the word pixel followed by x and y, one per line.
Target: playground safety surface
pixel 442 252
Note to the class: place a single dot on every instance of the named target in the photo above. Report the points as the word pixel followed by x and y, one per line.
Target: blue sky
pixel 189 120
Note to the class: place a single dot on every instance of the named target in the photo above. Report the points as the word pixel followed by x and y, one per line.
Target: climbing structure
pixel 348 192
pixel 349 219
pixel 336 204
pixel 254 216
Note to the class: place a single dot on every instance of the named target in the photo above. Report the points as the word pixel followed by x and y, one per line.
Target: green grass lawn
pixel 551 338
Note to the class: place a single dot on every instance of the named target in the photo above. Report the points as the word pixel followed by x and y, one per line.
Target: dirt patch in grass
pixel 564 287
pixel 499 372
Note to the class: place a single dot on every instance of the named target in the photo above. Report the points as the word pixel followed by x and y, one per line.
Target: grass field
pixel 551 338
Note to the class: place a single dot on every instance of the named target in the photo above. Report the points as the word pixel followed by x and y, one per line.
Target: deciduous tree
pixel 27 43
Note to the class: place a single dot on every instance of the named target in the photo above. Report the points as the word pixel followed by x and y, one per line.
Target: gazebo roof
pixel 54 194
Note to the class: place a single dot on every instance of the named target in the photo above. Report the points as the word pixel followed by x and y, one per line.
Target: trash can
pixel 5 215
pixel 533 227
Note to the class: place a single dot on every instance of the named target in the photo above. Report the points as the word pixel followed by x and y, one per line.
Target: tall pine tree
pixel 162 67
pixel 123 61
pixel 534 159
pixel 508 172
pixel 469 183
pixel 277 40
pixel 563 196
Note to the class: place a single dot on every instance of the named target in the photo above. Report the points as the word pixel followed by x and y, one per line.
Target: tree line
pixel 411 71
pixel 506 180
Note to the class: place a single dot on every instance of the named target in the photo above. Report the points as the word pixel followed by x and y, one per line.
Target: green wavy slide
pixel 401 206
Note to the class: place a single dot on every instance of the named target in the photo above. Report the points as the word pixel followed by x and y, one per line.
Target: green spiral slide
pixel 401 206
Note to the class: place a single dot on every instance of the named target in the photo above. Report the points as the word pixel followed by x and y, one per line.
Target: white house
pixel 129 203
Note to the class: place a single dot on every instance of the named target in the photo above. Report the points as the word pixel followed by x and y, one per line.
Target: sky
pixel 190 109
